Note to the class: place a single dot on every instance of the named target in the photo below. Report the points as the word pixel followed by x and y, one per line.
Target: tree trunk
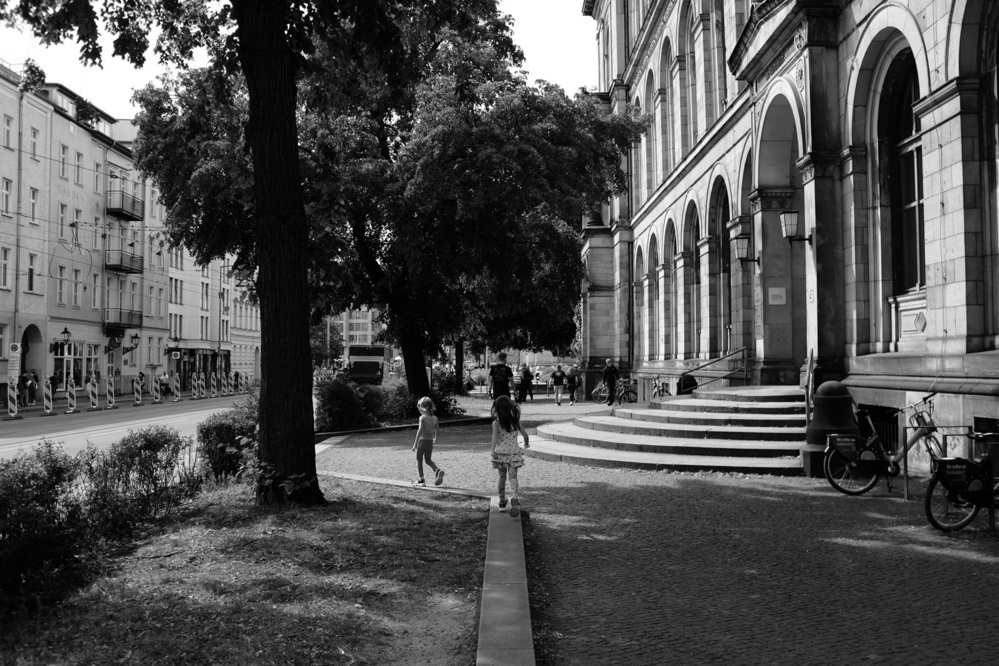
pixel 416 367
pixel 287 449
pixel 459 367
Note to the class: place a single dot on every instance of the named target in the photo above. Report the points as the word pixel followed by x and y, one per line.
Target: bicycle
pixel 853 465
pixel 959 489
pixel 626 392
pixel 659 387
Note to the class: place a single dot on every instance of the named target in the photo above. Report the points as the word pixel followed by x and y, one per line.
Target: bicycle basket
pixel 966 478
pixel 852 447
pixel 919 419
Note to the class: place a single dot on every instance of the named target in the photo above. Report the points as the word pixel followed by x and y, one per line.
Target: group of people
pixel 27 388
pixel 506 455
pixel 505 452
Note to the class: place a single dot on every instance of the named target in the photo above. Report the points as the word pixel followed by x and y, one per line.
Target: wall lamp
pixel 136 338
pixel 789 227
pixel 66 337
pixel 742 250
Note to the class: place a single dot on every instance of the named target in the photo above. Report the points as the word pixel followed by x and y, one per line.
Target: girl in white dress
pixel 507 456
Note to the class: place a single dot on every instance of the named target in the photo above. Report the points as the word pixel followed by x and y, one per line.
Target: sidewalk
pixel 660 568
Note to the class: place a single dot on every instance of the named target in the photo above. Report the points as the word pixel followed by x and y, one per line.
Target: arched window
pixel 651 136
pixel 666 117
pixel 719 56
pixel 692 63
pixel 901 152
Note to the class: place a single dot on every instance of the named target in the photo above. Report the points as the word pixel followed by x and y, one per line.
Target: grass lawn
pixel 382 575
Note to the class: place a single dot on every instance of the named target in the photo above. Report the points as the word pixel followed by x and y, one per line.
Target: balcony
pixel 122 261
pixel 125 205
pixel 120 318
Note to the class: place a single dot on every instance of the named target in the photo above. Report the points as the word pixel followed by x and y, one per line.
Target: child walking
pixel 507 456
pixel 426 435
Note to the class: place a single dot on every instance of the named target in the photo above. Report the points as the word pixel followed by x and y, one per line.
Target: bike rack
pixel 962 431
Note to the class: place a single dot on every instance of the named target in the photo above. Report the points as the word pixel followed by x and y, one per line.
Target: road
pixel 105 426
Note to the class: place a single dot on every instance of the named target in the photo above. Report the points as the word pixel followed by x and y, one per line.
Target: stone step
pixel 692 431
pixel 546 449
pixel 689 404
pixel 741 418
pixel 753 394
pixel 637 439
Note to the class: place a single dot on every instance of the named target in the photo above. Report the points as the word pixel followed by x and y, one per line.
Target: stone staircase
pixel 754 429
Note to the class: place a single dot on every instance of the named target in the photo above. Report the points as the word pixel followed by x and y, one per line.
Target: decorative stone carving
pixel 799 74
pixel 815 165
pixel 771 199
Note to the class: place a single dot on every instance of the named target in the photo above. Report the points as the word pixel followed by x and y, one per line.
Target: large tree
pixel 271 42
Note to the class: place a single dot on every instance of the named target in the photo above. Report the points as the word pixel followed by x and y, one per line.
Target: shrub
pixel 225 437
pixel 40 521
pixel 136 479
pixel 339 406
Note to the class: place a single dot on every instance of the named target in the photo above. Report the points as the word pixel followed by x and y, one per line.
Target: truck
pixel 365 364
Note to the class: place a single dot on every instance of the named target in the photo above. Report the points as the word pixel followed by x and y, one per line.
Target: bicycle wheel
pixel 848 477
pixel 599 394
pixel 946 510
pixel 629 395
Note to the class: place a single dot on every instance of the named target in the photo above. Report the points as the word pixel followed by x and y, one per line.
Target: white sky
pixel 557 40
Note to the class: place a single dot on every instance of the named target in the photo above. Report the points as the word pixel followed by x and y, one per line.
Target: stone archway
pixel 781 311
pixel 34 351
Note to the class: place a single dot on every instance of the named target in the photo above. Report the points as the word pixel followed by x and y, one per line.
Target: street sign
pixel 175 355
pixel 14 360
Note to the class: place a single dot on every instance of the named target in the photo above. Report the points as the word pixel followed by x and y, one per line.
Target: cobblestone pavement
pixel 667 568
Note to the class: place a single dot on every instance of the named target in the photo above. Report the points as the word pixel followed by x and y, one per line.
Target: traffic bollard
pixel 71 398
pixel 137 392
pixel 157 396
pixel 95 398
pixel 175 388
pixel 47 399
pixel 215 385
pixel 110 394
pixel 12 400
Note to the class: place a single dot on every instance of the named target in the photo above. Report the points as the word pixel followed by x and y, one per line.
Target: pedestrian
pixel 142 383
pixel 32 387
pixel 22 389
pixel 571 383
pixel 610 380
pixel 426 435
pixel 558 381
pixel 507 457
pixel 164 380
pixel 526 378
pixel 500 376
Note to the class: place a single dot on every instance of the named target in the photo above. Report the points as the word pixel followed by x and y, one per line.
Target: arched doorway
pixel 781 327
pixel 719 271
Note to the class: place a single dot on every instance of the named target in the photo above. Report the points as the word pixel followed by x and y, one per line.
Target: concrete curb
pixel 462 421
pixel 505 636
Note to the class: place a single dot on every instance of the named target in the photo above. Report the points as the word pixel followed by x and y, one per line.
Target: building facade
pixel 818 181
pixel 89 286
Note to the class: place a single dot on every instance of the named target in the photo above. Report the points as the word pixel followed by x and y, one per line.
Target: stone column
pixel 743 315
pixel 685 328
pixel 956 285
pixel 824 259
pixel 856 252
pixel 708 306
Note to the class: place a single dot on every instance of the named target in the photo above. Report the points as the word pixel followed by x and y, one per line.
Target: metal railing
pixel 744 369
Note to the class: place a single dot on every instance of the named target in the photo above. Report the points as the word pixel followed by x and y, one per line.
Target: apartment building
pixel 89 286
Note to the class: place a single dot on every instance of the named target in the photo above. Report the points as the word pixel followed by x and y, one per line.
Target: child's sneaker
pixel 502 503
pixel 440 477
pixel 420 482
pixel 514 507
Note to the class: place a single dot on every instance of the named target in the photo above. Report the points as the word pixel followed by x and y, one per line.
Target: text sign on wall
pixel 14 360
pixel 777 296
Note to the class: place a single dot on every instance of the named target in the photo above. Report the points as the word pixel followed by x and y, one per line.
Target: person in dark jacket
pixel 610 380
